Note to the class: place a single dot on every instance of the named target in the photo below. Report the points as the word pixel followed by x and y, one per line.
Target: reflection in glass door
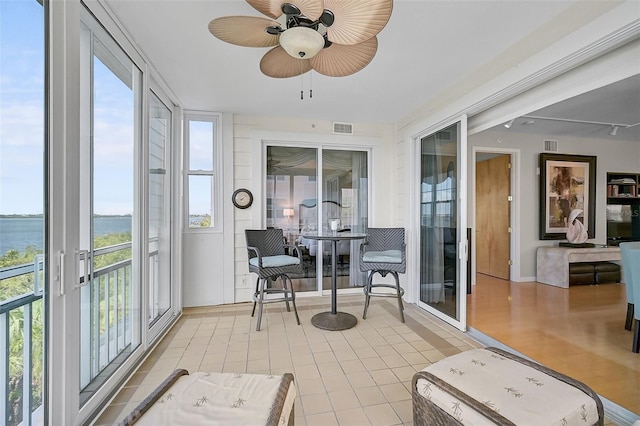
pixel 293 183
pixel 159 207
pixel 344 197
pixel 440 224
pixel 109 266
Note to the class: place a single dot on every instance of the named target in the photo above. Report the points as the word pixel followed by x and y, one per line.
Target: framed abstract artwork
pixel 567 182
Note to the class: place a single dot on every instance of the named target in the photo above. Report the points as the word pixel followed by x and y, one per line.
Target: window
pixel 110 212
pixel 203 183
pixel 23 231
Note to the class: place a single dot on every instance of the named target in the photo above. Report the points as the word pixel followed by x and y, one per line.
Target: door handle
pixel 83 255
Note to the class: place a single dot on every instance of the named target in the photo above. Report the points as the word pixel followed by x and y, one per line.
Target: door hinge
pixel 508 165
pixel 509 229
pixel 510 262
pixel 510 198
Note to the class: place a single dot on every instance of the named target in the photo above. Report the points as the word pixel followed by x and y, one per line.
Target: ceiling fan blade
pixel 278 63
pixel 312 9
pixel 247 31
pixel 357 21
pixel 339 60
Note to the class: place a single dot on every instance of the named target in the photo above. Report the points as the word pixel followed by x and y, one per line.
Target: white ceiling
pixel 427 48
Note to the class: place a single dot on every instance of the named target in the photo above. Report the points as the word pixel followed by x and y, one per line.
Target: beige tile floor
pixel 360 376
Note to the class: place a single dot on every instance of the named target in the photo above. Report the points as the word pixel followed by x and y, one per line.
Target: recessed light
pixel 529 122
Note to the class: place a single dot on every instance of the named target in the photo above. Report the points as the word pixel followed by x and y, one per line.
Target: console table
pixel 552 263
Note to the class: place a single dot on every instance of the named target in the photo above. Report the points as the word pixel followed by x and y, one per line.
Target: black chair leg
pixel 284 279
pixel 629 322
pixel 255 295
pixel 636 337
pixel 400 305
pixel 293 299
pixel 367 290
pixel 260 300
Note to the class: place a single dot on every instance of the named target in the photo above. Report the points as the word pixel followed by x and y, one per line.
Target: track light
pixel 509 123
pixel 614 130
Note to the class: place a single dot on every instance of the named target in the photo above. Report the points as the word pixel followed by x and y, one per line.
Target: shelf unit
pixel 623 207
pixel 623 187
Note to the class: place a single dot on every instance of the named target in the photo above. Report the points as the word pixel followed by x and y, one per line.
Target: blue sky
pixel 22 120
pixel 21 106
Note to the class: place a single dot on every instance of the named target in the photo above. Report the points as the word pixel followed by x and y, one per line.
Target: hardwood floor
pixel 578 331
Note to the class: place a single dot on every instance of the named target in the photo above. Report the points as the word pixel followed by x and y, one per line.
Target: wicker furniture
pixel 383 252
pixel 631 266
pixel 269 259
pixel 217 398
pixel 493 387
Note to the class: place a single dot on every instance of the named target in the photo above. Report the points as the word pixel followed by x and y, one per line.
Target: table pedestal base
pixel 334 322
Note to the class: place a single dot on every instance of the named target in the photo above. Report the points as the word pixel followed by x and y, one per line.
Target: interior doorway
pixel 493 222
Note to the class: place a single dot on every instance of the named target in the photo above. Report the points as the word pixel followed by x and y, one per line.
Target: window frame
pixel 215 173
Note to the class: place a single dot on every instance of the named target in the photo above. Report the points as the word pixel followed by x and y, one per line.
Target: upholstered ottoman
pixel 607 272
pixel 217 399
pixel 581 273
pixel 490 386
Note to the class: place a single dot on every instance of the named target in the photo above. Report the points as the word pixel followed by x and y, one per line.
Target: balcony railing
pixel 106 315
pixel 21 335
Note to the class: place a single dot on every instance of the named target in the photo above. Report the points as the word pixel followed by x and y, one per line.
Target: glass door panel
pixel 291 193
pixel 293 183
pixel 344 197
pixel 159 206
pixel 442 287
pixel 23 234
pixel 109 208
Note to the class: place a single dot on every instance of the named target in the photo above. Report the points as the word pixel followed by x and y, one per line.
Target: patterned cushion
pixel 522 394
pixel 220 399
pixel 386 256
pixel 275 261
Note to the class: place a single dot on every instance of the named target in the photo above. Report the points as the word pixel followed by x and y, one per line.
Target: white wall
pixel 393 154
pixel 612 155
pixel 250 132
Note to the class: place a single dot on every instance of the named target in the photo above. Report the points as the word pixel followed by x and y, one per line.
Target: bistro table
pixel 334 320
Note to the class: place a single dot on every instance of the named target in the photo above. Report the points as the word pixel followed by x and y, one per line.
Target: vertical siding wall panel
pixel 249 133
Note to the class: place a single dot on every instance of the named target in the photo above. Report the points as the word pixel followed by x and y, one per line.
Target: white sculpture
pixel 577 233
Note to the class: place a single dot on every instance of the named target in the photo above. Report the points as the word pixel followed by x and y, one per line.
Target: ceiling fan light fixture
pixel 508 124
pixel 301 42
pixel 614 130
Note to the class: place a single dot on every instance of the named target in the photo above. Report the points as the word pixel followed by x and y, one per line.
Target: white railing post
pixel 27 364
pixel 4 368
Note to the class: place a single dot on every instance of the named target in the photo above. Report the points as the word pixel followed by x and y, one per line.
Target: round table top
pixel 330 235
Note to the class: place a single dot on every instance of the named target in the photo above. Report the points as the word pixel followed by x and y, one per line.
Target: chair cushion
pixel 508 386
pixel 275 261
pixel 385 256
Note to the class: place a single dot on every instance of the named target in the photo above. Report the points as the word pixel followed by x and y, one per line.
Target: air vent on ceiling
pixel 550 145
pixel 342 128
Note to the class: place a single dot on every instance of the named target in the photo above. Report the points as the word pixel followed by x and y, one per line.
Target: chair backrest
pixel 380 239
pixel 631 271
pixel 270 242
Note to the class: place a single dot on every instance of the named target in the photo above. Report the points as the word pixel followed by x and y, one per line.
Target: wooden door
pixel 493 188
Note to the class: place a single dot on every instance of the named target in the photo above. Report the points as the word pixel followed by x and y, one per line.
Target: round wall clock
pixel 242 198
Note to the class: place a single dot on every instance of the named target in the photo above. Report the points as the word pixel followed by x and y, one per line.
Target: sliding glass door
pixel 109 256
pixel 443 240
pixel 23 232
pixel 159 217
pixel 307 186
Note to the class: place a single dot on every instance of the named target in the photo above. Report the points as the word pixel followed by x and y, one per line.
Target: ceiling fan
pixel 335 38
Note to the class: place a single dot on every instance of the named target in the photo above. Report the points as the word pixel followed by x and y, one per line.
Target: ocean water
pixel 20 232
